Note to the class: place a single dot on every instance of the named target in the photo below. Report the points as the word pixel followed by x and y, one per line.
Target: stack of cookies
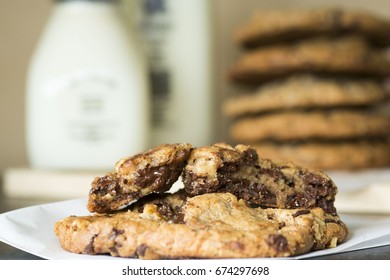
pixel 314 81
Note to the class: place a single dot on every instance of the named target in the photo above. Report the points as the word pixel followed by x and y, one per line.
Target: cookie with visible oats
pixel 214 226
pixel 273 26
pixel 259 182
pixel 323 125
pixel 137 176
pixel 306 91
pixel 342 56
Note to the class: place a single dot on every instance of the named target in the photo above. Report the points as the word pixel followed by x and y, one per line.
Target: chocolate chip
pixel 290 183
pixel 327 206
pixel 115 232
pixel 266 196
pixel 250 157
pixel 311 179
pixel 141 249
pixel 165 210
pixel 237 246
pixel 178 218
pixel 270 216
pixel 282 225
pixel 298 200
pixel 333 221
pixel 300 212
pixel 276 174
pixel 89 249
pixel 228 168
pixel 196 185
pixel 277 242
pixel 106 184
pixel 151 175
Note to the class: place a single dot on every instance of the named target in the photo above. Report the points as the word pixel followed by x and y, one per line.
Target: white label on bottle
pixel 84 103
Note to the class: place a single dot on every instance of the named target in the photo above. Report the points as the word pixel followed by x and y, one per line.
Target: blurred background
pixel 22 23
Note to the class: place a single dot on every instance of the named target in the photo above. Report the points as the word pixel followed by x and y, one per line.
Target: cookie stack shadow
pixel 315 88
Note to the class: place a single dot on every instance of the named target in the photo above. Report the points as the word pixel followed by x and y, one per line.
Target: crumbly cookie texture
pixel 341 155
pixel 299 125
pixel 348 55
pixel 239 170
pixel 306 91
pixel 134 177
pixel 214 226
pixel 169 206
pixel 274 26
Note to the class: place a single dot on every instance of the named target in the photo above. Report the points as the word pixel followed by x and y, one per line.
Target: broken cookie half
pixel 153 171
pixel 261 183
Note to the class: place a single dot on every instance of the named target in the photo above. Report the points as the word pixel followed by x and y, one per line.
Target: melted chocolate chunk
pixel 228 168
pixel 261 193
pixel 160 176
pixel 316 181
pixel 327 206
pixel 275 173
pixel 298 200
pixel 106 184
pixel 196 185
pixel 261 183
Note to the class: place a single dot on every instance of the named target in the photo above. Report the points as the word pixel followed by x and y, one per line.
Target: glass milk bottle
pixel 87 98
pixel 177 38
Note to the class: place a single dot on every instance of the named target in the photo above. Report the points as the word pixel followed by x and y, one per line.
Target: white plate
pixel 31 229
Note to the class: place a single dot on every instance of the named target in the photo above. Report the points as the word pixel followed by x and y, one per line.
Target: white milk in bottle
pixel 87 99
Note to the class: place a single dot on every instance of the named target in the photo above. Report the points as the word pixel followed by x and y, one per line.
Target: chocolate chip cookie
pixel 168 205
pixel 307 91
pixel 296 125
pixel 214 226
pixel 275 26
pixel 137 176
pixel 342 56
pixel 259 182
pixel 342 155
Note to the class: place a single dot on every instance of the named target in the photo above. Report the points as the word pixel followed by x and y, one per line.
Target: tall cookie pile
pixel 233 205
pixel 315 79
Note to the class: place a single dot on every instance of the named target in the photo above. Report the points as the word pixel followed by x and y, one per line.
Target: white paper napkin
pixel 31 229
pixel 365 191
